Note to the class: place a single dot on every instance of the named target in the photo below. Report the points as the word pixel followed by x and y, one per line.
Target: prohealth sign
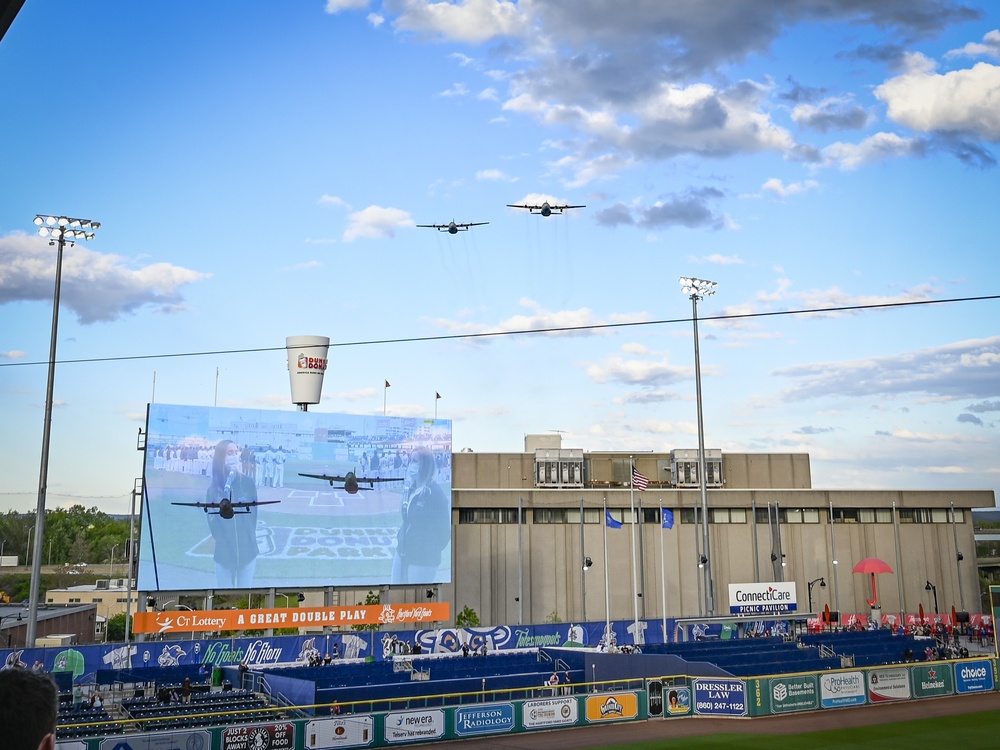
pixel 762 598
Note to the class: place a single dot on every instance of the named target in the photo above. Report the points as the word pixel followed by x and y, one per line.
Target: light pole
pixel 111 574
pixel 822 584
pixel 697 289
pixel 60 230
pixel 931 587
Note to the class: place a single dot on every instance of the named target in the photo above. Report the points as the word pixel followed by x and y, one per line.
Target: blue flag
pixel 668 518
pixel 610 522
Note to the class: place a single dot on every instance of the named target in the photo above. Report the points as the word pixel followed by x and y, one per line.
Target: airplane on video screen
pixel 352 482
pixel 451 227
pixel 227 508
pixel 545 209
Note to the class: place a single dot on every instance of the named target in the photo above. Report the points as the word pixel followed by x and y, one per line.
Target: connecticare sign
pixel 762 598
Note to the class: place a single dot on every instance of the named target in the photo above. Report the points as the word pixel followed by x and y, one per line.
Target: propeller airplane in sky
pixel 545 209
pixel 451 227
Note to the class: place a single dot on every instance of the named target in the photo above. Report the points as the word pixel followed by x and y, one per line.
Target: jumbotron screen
pixel 248 498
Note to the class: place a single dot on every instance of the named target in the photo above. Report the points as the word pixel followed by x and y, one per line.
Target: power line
pixel 525 332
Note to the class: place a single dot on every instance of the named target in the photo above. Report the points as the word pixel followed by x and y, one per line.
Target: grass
pixel 969 731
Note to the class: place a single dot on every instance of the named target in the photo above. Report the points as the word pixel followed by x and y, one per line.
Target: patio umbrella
pixel 872 566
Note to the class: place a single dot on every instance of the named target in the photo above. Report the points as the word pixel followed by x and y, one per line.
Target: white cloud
pixel 376 222
pixel 539 318
pixel 960 371
pixel 471 21
pixel 96 286
pixel 493 174
pixel 990 47
pixel 776 186
pixel 457 89
pixel 488 95
pixel 333 200
pixel 961 101
pixel 375 19
pixel 876 148
pixel 335 6
pixel 13 354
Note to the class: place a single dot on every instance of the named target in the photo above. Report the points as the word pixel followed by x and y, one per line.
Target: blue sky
pixel 259 170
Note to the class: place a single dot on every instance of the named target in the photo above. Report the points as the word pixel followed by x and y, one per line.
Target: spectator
pixel 77 697
pixel 28 707
pixel 186 690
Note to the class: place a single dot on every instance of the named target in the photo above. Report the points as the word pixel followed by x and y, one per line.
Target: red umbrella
pixel 872 566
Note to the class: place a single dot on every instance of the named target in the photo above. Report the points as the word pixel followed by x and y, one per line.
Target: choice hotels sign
pixel 762 598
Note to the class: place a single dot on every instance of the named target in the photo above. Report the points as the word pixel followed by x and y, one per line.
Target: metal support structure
pixel 697 289
pixel 822 584
pixel 61 230
pixel 958 560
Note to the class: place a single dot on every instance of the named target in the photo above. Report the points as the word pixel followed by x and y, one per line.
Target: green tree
pixel 467 618
pixel 371 598
pixel 116 628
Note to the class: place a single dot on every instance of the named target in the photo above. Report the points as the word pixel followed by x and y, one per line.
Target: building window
pixel 551 515
pixel 97 599
pixel 488 515
pixel 74 601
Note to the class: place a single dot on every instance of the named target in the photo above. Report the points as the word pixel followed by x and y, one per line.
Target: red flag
pixel 387 384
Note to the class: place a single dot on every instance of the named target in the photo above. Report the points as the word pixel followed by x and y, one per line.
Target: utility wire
pixel 525 332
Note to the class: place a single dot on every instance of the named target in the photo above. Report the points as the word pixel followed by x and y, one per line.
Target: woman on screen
pixel 236 537
pixel 426 526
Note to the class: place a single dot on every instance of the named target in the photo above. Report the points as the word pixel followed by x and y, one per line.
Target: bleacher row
pixel 85 722
pixel 204 709
pixel 380 686
pixel 748 657
pixel 871 648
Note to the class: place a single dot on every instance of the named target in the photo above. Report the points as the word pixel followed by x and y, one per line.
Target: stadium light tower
pixel 61 231
pixel 697 289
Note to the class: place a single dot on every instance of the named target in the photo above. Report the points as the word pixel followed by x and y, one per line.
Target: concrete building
pixel 108 595
pixel 765 523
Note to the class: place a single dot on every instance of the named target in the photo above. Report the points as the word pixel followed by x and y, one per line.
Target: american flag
pixel 638 480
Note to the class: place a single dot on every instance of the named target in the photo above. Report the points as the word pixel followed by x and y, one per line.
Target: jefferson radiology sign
pixel 762 598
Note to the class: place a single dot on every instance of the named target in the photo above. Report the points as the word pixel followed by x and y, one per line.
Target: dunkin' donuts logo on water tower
pixel 306 366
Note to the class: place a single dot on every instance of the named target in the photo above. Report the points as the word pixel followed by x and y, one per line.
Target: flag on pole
pixel 387 384
pixel 610 522
pixel 668 518
pixel 436 395
pixel 638 480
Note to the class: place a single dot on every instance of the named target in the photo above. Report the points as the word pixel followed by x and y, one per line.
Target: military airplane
pixel 545 209
pixel 451 227
pixel 352 482
pixel 226 508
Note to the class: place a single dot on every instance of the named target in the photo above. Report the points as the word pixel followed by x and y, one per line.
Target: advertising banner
pixel 495 717
pixel 720 697
pixel 269 736
pixel 257 619
pixel 842 689
pixel 932 681
pixel 762 598
pixel 555 712
pixel 888 685
pixel 253 498
pixel 411 726
pixel 799 693
pixel 974 676
pixel 612 707
pixel 172 740
pixel 344 731
pixel 678 701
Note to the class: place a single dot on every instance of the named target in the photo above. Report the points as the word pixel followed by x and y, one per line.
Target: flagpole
pixel 385 392
pixel 583 567
pixel 635 586
pixel 663 575
pixel 437 397
pixel 607 596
